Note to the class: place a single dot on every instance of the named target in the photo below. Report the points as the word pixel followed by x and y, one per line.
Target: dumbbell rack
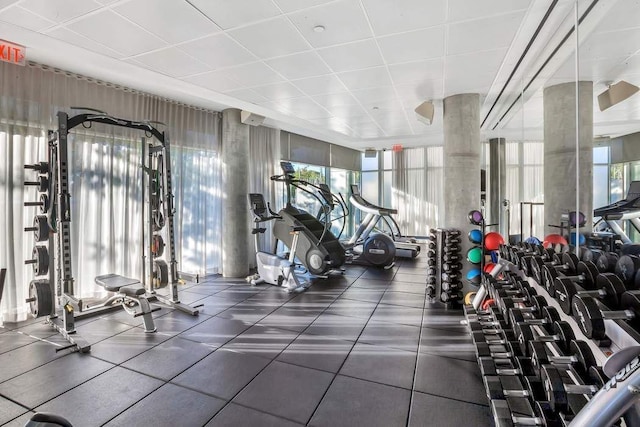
pixel 620 335
pixel 444 262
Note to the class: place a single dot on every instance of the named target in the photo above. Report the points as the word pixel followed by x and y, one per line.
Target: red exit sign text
pixel 13 53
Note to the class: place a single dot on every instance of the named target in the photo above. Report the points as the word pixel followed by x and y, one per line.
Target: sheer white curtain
pixel 264 162
pixel 105 177
pixel 417 189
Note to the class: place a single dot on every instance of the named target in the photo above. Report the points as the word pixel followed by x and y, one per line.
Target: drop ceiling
pixel 346 71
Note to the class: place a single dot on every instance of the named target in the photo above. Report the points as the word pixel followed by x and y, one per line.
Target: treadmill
pixel 373 214
pixel 625 209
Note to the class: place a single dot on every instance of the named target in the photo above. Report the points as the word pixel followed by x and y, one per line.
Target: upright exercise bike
pixel 273 269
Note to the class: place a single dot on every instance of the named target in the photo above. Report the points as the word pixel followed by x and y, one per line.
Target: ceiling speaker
pixel 251 119
pixel 424 112
pixel 615 94
pixel 369 153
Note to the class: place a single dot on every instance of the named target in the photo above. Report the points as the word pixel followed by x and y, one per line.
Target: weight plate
pixel 549 275
pixel 554 388
pixel 607 262
pixel 565 334
pixel 626 268
pixel 614 288
pixel 157 245
pixel 551 315
pixel 589 273
pixel 41 258
pixel 44 200
pixel 570 260
pixel 588 316
pixel 524 332
pixel 584 355
pixel 41 232
pixel 160 273
pixel 40 298
pixel 565 289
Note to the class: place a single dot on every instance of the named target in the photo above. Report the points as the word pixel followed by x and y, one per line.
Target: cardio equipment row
pixel 310 239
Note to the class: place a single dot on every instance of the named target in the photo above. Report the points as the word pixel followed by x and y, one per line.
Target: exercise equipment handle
pixel 613 400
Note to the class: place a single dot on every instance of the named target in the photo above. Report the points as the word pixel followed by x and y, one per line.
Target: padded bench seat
pixel 117 283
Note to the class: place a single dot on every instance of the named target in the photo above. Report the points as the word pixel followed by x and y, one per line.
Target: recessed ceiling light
pixel 319 28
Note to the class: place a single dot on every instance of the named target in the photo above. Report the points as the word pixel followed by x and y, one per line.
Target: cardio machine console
pixel 287 168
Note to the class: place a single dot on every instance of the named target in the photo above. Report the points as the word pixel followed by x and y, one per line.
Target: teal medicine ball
pixel 474 255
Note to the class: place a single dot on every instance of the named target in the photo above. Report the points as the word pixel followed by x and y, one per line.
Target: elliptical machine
pixel 317 249
pixel 364 247
pixel 273 269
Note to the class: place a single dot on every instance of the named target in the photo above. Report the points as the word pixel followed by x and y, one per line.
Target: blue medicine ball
pixel 475 236
pixel 474 276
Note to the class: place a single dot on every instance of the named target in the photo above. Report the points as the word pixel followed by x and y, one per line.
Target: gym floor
pixel 361 349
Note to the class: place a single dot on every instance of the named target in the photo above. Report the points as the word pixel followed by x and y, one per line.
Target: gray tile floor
pixel 362 349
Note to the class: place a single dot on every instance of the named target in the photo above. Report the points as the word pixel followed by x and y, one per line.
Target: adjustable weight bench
pixel 130 292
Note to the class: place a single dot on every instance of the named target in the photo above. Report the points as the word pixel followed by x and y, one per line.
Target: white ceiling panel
pixel 388 17
pixel 293 5
pixel 338 99
pixel 254 74
pixel 218 51
pixel 483 34
pixel 278 91
pixel 299 65
pixel 247 95
pixel 129 39
pixel 304 108
pixel 417 71
pixel 320 85
pixel 60 10
pixel 413 46
pixel 611 44
pixel 176 21
pixel 18 16
pixel 106 2
pixel 214 80
pixel 414 94
pixel 276 37
pixel 333 123
pixel 66 35
pixel 347 111
pixel 344 21
pixel 172 62
pixel 5 3
pixel 369 77
pixel 376 95
pixel 625 14
pixel 460 10
pixel 352 56
pixel 458 67
pixel 589 70
pixel 232 13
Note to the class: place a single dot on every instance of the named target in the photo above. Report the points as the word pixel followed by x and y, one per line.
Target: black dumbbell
pixel 451 266
pixel 566 263
pixel 627 267
pixel 541 414
pixel 562 335
pixel 448 297
pixel 609 290
pixel 489 366
pixel 507 350
pixel 451 277
pixel 557 390
pixel 590 317
pixel 580 357
pixel 536 303
pixel 509 387
pixel 43 204
pixel 451 286
pixel 546 317
pixel 607 261
pixel 585 274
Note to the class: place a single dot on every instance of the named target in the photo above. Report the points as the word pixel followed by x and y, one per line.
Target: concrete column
pixel 496 185
pixel 461 164
pixel 560 151
pixel 235 208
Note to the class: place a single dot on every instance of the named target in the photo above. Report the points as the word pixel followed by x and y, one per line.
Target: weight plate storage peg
pixel 157 245
pixel 40 299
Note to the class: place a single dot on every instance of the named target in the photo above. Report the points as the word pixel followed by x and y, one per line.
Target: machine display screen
pixel 287 168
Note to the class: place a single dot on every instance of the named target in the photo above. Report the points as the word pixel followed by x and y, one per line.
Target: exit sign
pixel 13 53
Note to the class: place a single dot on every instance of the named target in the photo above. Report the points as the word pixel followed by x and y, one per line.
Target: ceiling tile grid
pixel 356 67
